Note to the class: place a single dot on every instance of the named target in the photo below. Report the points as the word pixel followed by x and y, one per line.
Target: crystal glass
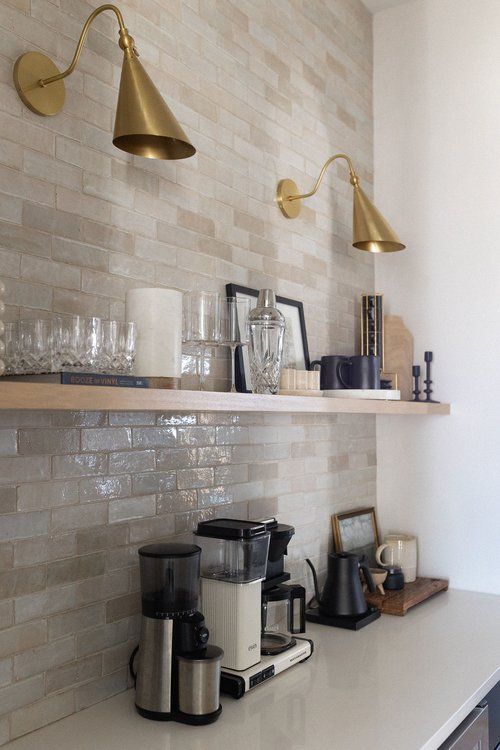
pixel 118 347
pixel 12 348
pixel 267 333
pixel 201 324
pixel 28 347
pixel 234 327
pixel 77 344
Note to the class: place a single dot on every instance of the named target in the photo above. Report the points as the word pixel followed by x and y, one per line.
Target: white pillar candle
pixel 158 315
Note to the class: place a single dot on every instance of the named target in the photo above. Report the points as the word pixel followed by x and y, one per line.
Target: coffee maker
pixel 178 673
pixel 273 612
pixel 233 564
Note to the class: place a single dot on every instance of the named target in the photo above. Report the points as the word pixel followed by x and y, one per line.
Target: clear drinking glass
pixel 34 346
pixel 234 328
pixel 118 347
pixel 201 324
pixel 28 346
pixel 12 348
pixel 77 344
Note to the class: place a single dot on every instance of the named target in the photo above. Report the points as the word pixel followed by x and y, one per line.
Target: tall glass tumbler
pixel 201 324
pixel 234 313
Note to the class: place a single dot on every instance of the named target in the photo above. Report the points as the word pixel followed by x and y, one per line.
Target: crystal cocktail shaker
pixel 267 332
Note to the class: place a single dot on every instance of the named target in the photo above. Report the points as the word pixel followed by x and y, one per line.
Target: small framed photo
pixel 356 531
pixel 295 349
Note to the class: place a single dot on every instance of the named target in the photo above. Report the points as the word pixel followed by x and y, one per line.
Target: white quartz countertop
pixel 401 682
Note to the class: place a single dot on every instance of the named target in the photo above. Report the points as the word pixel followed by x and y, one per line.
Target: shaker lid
pixel 230 528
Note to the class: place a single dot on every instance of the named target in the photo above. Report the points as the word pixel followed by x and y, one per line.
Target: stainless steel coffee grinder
pixel 178 673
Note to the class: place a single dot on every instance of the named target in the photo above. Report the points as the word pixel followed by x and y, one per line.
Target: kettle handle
pixel 297 593
pixel 315 581
pixel 368 576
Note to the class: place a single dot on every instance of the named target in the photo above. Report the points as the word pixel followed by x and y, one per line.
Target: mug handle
pixel 315 362
pixel 378 555
pixel 340 365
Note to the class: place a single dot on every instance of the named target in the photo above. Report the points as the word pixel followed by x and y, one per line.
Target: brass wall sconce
pixel 144 125
pixel 370 230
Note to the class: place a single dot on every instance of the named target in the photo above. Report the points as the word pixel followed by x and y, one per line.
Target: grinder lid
pixel 169 550
pixel 209 653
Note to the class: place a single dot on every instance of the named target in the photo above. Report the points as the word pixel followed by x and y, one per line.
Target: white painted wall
pixel 437 169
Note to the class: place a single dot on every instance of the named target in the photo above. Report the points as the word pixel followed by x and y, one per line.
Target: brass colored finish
pixel 46 81
pixel 371 231
pixel 144 124
pixel 28 70
pixel 286 195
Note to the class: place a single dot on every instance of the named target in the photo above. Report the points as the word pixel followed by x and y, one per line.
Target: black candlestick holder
pixel 428 381
pixel 415 371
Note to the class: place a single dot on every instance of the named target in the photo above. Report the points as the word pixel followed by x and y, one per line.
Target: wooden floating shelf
pixel 49 397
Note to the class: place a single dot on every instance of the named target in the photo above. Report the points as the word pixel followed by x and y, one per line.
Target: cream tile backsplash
pixel 265 91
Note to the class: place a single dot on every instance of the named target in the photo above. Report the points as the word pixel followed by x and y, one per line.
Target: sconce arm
pixel 126 42
pixel 352 173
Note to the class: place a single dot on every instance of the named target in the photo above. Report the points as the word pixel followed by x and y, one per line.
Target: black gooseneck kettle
pixel 342 593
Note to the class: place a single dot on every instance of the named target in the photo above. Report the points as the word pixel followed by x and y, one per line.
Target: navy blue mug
pixel 360 372
pixel 329 379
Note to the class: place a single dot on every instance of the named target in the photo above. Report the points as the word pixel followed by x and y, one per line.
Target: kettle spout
pixel 315 581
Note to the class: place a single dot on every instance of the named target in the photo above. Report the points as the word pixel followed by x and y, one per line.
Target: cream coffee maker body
pixel 233 565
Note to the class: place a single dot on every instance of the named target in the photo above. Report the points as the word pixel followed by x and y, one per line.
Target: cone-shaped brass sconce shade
pixel 370 230
pixel 144 125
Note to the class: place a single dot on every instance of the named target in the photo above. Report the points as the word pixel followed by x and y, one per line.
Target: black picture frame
pixel 232 290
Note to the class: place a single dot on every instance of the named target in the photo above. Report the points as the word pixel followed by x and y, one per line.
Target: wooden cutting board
pixel 399 602
pixel 398 353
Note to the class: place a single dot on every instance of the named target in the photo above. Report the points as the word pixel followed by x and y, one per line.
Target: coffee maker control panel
pixel 256 679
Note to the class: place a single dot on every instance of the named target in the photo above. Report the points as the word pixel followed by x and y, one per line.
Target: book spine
pixel 118 381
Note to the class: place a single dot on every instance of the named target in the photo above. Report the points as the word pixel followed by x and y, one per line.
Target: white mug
pixel 399 550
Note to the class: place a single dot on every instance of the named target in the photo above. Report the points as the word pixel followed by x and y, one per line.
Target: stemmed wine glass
pixel 201 324
pixel 234 328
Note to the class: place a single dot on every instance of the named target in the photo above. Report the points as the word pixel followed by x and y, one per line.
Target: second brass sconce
pixel 144 125
pixel 370 230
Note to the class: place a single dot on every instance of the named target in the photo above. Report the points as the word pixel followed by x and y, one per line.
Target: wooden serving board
pixel 399 602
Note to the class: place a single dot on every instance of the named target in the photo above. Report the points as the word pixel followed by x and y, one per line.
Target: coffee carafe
pixel 343 593
pixel 283 616
pixel 178 673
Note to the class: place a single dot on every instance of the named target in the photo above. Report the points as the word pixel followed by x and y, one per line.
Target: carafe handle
pixel 297 594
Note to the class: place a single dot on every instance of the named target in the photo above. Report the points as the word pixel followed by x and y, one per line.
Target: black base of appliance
pixel 193 719
pixel 354 622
